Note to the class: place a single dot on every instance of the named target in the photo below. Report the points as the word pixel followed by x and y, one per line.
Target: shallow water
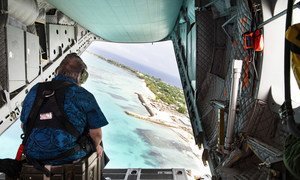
pixel 129 142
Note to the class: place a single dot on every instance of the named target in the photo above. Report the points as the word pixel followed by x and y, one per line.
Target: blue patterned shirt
pixel 82 110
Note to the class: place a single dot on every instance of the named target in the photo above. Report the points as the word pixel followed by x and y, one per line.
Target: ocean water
pixel 129 142
pixel 170 79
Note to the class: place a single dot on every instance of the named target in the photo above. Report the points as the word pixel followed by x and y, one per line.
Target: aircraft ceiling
pixel 123 20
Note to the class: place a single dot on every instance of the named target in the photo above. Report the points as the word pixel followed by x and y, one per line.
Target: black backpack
pixel 47 111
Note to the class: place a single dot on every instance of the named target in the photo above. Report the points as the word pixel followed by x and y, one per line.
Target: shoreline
pixel 161 114
pixel 141 98
pixel 168 117
pixel 149 118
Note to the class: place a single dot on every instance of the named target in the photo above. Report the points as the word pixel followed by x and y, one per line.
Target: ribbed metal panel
pixel 126 20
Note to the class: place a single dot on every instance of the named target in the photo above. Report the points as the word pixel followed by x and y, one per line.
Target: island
pixel 165 105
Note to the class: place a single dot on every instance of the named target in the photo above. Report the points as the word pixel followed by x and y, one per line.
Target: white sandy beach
pixel 166 115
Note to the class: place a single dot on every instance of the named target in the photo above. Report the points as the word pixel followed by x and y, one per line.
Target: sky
pixel 159 55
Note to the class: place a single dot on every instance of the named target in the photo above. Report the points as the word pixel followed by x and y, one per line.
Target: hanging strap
pixel 59 100
pixel 56 89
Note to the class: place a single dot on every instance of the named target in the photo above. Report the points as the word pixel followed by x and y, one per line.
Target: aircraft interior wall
pixel 242 137
pixel 30 52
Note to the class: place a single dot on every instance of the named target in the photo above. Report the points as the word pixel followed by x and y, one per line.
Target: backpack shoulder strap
pixel 59 98
pixel 39 99
pixel 44 90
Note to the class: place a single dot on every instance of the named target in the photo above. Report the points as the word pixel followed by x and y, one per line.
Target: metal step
pixel 265 152
pixel 144 174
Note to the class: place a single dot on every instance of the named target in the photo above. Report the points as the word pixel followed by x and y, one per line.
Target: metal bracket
pixel 206 5
pixel 297 5
pixel 227 22
pixel 7 98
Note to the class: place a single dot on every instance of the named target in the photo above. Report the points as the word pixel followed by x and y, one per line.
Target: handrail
pixel 236 75
pixel 297 5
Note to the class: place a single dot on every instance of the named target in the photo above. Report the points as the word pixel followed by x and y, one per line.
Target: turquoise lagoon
pixel 129 142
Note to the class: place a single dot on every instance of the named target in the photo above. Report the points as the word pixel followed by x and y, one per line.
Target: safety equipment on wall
pixel 253 40
pixel 248 40
pixel 293 36
pixel 258 40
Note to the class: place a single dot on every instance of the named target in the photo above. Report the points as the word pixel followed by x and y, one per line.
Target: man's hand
pixel 99 151
pixel 96 135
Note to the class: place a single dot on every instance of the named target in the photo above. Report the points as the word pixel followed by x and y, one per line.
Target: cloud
pixel 158 55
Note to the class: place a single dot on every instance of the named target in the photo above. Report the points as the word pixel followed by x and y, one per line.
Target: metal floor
pixel 140 174
pixel 145 174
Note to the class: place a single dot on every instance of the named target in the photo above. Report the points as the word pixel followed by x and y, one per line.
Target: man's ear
pixel 83 76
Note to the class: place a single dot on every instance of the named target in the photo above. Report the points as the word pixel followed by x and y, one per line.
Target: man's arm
pixel 96 135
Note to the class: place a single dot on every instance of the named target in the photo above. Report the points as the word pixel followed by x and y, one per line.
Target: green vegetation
pixel 182 109
pixel 165 92
pixel 169 94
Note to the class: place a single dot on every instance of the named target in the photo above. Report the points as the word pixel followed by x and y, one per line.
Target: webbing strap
pixel 60 87
pixel 59 98
pixel 39 166
pixel 33 113
pixel 64 154
pixel 57 91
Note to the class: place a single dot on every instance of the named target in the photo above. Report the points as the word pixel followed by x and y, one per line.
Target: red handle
pixel 20 152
